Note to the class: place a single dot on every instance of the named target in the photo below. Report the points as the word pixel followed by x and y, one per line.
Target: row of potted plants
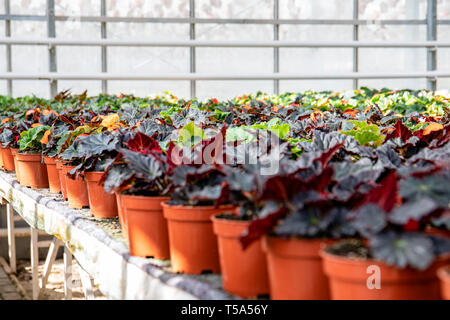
pixel 344 201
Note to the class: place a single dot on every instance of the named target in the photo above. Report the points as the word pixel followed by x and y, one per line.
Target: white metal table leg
pixel 11 237
pixel 34 262
pixel 67 274
pixel 86 283
pixel 51 256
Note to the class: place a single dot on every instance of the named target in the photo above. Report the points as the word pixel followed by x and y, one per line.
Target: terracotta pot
pixel 244 272
pixel 444 275
pixel 102 204
pixel 32 172
pixel 16 164
pixel 53 175
pixel 76 190
pixel 355 279
pixel 147 228
pixel 1 159
pixel 121 214
pixel 295 268
pixel 8 159
pixel 193 245
pixel 62 180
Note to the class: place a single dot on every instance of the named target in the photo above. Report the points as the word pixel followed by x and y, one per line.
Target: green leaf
pixel 31 139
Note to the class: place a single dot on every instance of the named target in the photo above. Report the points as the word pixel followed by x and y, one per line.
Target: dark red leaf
pixel 143 144
pixel 327 155
pixel 385 195
pixel 260 227
pixel 400 131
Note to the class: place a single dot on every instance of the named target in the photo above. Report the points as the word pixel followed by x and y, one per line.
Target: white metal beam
pixel 221 44
pixel 218 76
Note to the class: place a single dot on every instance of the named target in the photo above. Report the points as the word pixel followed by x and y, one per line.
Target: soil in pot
pixel 102 204
pixel 147 227
pixel 244 272
pixel 193 244
pixel 354 275
pixel 53 175
pixel 76 189
pixel 62 180
pixel 295 268
pixel 444 276
pixel 31 171
pixel 8 159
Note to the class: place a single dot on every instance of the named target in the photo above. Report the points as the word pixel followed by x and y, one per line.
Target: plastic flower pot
pixel 147 227
pixel 244 272
pixel 193 244
pixel 16 164
pixel 32 172
pixel 53 175
pixel 295 268
pixel 356 279
pixel 444 275
pixel 62 180
pixel 8 159
pixel 76 189
pixel 121 214
pixel 102 204
pixel 1 160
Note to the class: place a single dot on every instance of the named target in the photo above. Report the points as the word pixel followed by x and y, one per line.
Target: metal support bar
pixel 104 49
pixel 431 36
pixel 192 66
pixel 11 238
pixel 355 38
pixel 51 33
pixel 51 256
pixel 18 232
pixel 213 76
pixel 67 273
pixel 276 51
pixel 34 262
pixel 226 44
pixel 8 49
pixel 223 21
pixel 86 282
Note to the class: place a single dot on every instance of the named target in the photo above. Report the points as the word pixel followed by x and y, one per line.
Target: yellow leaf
pixel 35 125
pixel 44 139
pixel 110 120
pixel 432 127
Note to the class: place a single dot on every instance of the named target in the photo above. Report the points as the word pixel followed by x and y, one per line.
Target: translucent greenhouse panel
pixel 443 56
pixel 316 33
pixel 229 89
pixel 223 9
pixel 234 60
pixel 317 85
pixel 148 60
pixel 392 9
pixel 146 8
pixel 93 87
pixel 77 8
pixel 316 9
pixel 38 88
pixel 3 87
pixel 233 32
pixel 443 11
pixel 74 29
pixel 35 7
pixel 146 88
pixel 148 31
pixel 2 7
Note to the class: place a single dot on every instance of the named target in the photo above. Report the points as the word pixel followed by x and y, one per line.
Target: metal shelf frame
pixel 431 45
